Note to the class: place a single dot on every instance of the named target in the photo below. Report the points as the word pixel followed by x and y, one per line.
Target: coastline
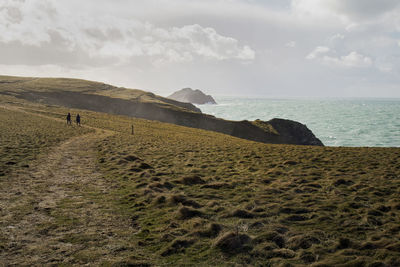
pixel 349 122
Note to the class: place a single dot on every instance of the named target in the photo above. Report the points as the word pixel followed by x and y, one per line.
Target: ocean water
pixel 336 122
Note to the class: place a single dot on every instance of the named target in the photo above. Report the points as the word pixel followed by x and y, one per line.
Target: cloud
pixel 346 10
pixel 336 37
pixel 318 51
pixel 180 42
pixel 44 24
pixel 365 9
pixel 352 60
pixel 291 44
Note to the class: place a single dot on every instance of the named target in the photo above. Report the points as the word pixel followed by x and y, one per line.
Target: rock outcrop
pixel 192 96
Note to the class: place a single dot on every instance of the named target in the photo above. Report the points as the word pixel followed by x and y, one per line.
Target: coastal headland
pixel 169 194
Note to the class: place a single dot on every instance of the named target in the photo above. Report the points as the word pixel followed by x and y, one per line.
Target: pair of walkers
pixel 77 119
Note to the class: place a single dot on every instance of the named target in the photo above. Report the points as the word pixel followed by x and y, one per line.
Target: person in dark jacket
pixel 78 120
pixel 69 118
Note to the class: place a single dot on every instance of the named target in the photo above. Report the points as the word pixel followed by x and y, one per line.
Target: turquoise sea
pixel 351 122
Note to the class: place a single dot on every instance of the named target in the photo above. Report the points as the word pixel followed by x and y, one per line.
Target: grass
pixel 296 204
pixel 14 85
pixel 194 197
pixel 24 137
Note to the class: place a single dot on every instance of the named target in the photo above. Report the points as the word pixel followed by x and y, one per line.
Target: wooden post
pixel 132 129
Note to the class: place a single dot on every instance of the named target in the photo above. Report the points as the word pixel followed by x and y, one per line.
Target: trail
pixel 49 214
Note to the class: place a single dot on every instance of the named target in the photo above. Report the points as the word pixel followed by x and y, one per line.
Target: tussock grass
pixel 198 197
pixel 233 243
pixel 311 198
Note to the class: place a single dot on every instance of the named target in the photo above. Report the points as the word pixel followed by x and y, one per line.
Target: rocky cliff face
pixel 192 96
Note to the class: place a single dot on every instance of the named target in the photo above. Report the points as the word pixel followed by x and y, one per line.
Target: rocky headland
pixel 192 96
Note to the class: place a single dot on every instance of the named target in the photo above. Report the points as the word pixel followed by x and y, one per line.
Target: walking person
pixel 69 119
pixel 78 120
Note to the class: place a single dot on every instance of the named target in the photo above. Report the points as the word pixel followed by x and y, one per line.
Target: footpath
pixel 49 216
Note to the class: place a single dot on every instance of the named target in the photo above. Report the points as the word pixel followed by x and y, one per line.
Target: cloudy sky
pixel 270 48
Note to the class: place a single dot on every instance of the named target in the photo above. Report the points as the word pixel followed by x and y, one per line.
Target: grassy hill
pixel 173 195
pixel 20 86
pixel 75 93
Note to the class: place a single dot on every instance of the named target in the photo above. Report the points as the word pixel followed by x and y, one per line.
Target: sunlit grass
pixel 296 204
pixel 24 137
pixel 194 196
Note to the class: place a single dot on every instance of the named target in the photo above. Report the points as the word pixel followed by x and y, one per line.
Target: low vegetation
pixel 194 197
pixel 25 136
pixel 272 203
pixel 15 85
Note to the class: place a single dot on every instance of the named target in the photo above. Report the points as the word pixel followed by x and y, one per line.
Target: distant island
pixel 192 96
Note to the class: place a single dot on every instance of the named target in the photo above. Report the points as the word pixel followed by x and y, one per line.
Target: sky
pixel 252 48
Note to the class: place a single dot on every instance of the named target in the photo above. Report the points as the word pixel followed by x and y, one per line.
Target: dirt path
pixel 50 215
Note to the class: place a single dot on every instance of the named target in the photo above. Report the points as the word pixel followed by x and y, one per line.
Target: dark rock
pixel 294 131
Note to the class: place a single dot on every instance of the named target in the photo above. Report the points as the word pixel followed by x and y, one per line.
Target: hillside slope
pixel 75 93
pixel 178 196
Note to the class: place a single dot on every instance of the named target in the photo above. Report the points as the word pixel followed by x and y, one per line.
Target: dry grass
pixel 190 194
pixel 24 137
pixel 13 85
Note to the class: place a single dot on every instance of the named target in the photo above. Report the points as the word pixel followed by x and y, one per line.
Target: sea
pixel 349 122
